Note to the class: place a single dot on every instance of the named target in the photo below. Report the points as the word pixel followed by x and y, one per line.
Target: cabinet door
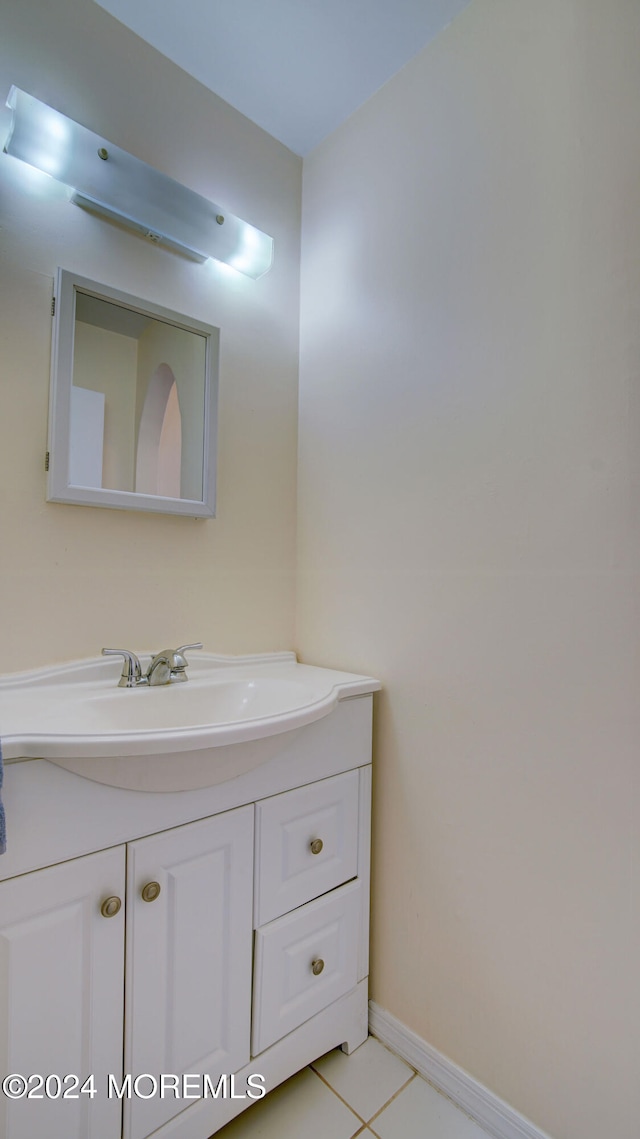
pixel 188 958
pixel 61 986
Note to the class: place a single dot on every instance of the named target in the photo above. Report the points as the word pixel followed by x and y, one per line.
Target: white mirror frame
pixel 59 487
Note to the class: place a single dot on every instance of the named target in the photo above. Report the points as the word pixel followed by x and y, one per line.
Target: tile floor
pixel 370 1093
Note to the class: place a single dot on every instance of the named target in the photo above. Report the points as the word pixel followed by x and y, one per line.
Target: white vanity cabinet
pixel 240 946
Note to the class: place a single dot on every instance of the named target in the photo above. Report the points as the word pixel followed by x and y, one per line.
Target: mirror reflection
pixel 137 406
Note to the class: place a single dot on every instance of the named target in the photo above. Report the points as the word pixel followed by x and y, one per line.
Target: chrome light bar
pixel 114 184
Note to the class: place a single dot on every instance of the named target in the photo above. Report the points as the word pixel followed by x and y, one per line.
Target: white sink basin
pixel 208 704
pixel 219 724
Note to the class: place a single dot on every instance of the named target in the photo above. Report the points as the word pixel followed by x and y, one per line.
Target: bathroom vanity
pixel 152 937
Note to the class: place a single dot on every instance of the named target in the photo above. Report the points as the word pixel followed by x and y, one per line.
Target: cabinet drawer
pixel 303 962
pixel 306 844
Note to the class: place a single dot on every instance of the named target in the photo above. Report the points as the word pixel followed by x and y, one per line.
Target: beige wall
pixel 469 487
pixel 75 578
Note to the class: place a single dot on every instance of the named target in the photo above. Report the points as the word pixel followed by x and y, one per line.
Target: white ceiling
pixel 297 68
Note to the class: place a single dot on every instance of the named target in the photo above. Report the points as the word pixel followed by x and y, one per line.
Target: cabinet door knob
pixel 317 966
pixel 316 845
pixel 150 892
pixel 110 907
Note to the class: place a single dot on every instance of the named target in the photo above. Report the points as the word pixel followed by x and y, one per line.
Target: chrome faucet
pixel 167 667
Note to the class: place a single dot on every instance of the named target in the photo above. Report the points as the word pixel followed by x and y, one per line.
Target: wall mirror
pixel 132 417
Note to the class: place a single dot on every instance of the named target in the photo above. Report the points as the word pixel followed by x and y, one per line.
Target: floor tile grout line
pixel 375 1115
pixel 341 1098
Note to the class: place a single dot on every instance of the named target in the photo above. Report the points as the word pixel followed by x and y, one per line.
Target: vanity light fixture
pixel 114 184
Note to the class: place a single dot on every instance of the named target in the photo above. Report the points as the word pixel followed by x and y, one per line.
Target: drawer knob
pixel 316 845
pixel 110 907
pixel 150 892
pixel 317 966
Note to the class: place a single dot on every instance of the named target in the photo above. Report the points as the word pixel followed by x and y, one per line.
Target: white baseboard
pixel 496 1117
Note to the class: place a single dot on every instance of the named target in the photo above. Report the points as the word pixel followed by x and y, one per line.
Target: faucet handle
pixel 180 662
pixel 185 648
pixel 131 675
